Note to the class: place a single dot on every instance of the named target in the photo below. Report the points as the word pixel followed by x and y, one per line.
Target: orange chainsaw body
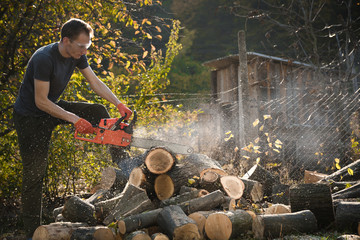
pixel 105 135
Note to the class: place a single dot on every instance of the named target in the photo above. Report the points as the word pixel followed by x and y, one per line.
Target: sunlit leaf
pixel 261 128
pixel 145 54
pixel 191 181
pixel 350 171
pixel 257 140
pixel 337 160
pixel 258 160
pixel 267 117
pixel 228 132
pixel 228 138
pixel 337 166
pixel 113 44
pixel 256 122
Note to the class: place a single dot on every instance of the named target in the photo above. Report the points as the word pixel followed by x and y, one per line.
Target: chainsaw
pixel 117 132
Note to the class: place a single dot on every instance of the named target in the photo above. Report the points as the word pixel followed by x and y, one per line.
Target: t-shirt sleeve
pixel 83 62
pixel 43 67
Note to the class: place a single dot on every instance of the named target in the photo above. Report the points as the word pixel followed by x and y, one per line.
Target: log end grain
pixel 159 236
pixel 137 177
pixel 218 226
pixel 233 186
pixel 121 226
pixel 278 209
pixel 200 220
pixel 164 187
pixel 188 231
pixel 218 171
pixel 159 160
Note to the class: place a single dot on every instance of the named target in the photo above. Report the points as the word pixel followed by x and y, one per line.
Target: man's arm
pixel 98 86
pixel 43 103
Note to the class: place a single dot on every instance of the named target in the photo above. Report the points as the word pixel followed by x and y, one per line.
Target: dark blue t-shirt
pixel 46 64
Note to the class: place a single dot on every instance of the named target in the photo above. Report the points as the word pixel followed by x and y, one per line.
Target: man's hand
pixel 83 126
pixel 123 109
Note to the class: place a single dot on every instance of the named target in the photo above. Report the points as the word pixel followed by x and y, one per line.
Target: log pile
pixel 194 198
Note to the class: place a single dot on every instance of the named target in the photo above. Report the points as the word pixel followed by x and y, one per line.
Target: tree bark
pixel 90 233
pixel 159 160
pixel 203 164
pixel 266 178
pixel 343 173
pixel 347 216
pixel 351 192
pixel 177 225
pixel 77 210
pixel 138 221
pixel 316 198
pixel 280 194
pixel 313 176
pixel 338 186
pixel 278 225
pixel 253 190
pixel 205 203
pixel 226 225
pixel 55 231
pixel 138 235
pixel 187 196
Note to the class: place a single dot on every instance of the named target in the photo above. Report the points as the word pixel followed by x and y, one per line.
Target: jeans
pixel 34 134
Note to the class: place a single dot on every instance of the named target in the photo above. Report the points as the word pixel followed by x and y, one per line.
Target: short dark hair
pixel 73 27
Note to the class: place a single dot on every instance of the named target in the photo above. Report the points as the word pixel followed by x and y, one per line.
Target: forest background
pixel 150 53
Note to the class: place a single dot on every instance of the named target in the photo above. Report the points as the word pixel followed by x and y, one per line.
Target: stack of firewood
pixel 194 198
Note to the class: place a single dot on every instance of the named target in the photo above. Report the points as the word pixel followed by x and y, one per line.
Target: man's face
pixel 78 47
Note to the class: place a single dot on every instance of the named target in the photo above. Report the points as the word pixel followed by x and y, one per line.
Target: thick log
pixel 77 210
pixel 210 181
pixel 138 235
pixel 205 203
pixel 128 206
pixel 232 186
pixel 112 178
pixel 278 225
pixel 338 186
pixel 159 236
pixel 203 164
pixel 344 175
pixel 313 176
pixel 105 208
pixel 278 209
pixel 185 189
pixel 351 192
pixel 223 225
pixel 316 198
pixel 55 231
pixel 164 186
pixel 159 160
pixel 138 221
pixel 280 194
pixel 266 178
pixel 90 233
pixel 253 190
pixel 176 224
pixel 98 196
pixel 347 216
pixel 187 196
pixel 200 219
pixel 348 237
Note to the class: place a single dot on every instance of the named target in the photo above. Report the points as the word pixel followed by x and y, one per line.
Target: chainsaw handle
pixel 117 123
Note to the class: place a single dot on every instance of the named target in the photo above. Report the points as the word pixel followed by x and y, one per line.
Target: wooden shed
pixel 297 103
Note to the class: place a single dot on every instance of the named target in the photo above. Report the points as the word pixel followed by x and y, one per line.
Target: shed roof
pixel 223 62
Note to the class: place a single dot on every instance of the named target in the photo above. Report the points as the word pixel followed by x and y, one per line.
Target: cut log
pixel 57 211
pixel 200 219
pixel 223 225
pixel 112 178
pixel 177 225
pixel 135 204
pixel 316 198
pixel 344 175
pixel 138 235
pixel 55 231
pixel 205 203
pixel 138 221
pixel 185 189
pixel 348 237
pixel 266 178
pixel 77 210
pixel 99 195
pixel 203 164
pixel 159 236
pixel 141 177
pixel 253 190
pixel 210 181
pixel 313 176
pixel 351 192
pixel 278 209
pixel 183 197
pixel 159 160
pixel 338 186
pixel 232 186
pixel 278 225
pixel 347 216
pixel 105 208
pixel 90 233
pixel 164 187
pixel 280 194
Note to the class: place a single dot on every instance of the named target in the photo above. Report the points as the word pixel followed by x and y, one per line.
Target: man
pixel 38 111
